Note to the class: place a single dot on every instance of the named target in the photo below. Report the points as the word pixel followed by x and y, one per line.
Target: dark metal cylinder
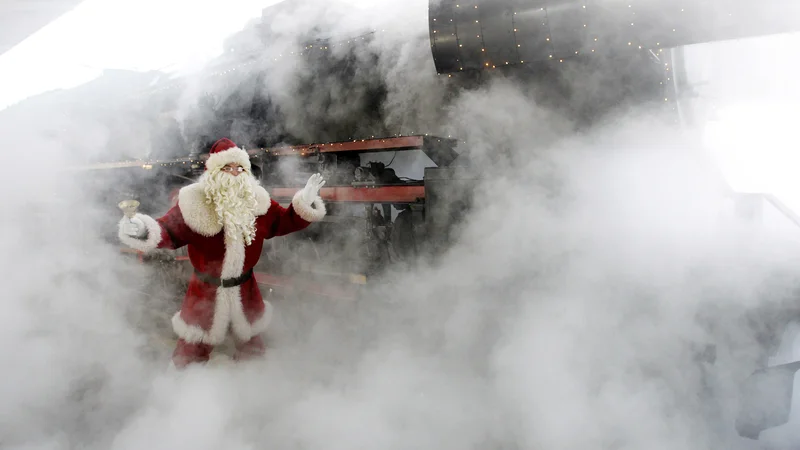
pixel 485 34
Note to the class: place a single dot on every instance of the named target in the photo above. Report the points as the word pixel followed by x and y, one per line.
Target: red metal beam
pixel 362 145
pixel 382 194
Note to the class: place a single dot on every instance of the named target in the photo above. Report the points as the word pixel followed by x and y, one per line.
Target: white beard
pixel 234 202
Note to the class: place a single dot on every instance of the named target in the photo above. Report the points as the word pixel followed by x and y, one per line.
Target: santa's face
pixel 233 169
pixel 230 191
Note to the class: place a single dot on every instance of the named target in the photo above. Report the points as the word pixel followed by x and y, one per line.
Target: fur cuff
pixel 191 333
pixel 146 244
pixel 223 317
pixel 306 211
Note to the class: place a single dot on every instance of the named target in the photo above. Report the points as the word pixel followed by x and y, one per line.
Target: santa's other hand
pixel 134 227
pixel 311 191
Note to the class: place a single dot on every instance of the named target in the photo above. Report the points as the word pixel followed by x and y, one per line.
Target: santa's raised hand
pixel 311 191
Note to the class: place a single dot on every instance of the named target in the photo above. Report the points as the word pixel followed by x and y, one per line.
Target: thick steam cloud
pixel 573 312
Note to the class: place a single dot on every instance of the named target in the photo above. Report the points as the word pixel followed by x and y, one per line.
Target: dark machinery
pixel 389 209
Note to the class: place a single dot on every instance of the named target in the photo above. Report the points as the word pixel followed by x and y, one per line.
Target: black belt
pixel 227 282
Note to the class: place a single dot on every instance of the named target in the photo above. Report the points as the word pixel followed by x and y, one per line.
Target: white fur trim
pixel 201 217
pixel 261 324
pixel 233 261
pixel 143 245
pixel 231 155
pixel 304 210
pixel 228 311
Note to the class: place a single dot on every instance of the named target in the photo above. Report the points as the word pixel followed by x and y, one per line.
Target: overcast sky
pixel 120 34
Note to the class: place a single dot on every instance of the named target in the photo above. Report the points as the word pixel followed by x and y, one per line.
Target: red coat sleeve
pixel 300 213
pixel 174 231
pixel 282 221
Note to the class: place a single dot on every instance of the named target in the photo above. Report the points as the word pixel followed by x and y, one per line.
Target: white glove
pixel 311 191
pixel 134 227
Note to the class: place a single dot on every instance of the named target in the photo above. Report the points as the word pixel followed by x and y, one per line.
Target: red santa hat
pixel 224 152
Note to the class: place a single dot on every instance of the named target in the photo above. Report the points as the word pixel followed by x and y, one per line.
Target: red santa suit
pixel 222 293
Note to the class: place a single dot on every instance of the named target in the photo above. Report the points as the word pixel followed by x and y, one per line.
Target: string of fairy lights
pixel 368 145
pixel 591 44
pixel 465 21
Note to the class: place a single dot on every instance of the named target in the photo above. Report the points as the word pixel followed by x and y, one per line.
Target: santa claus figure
pixel 223 219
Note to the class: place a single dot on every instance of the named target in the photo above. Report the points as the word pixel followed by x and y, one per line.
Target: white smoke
pixel 569 315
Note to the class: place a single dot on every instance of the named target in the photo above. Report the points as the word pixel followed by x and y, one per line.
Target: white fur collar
pixel 201 217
